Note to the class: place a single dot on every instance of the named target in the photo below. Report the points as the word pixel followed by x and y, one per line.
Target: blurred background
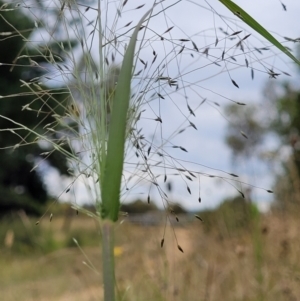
pixel 237 246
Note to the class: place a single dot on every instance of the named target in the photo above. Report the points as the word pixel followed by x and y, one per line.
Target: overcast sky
pixel 206 144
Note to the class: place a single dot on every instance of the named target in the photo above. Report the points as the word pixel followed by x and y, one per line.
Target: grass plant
pixel 133 67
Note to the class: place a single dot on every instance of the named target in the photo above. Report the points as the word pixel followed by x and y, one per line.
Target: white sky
pixel 206 146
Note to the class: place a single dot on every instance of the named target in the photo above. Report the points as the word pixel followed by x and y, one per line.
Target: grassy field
pixel 257 262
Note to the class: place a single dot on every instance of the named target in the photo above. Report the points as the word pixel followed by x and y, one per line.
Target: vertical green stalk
pixel 113 166
pixel 108 260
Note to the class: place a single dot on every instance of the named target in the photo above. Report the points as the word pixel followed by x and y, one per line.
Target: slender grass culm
pixel 116 85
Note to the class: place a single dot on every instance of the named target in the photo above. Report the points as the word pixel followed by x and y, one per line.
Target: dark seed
pixel 179 248
pixel 234 83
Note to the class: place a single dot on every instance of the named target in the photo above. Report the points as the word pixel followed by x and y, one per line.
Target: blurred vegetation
pixel 233 215
pixel 138 206
pixel 21 184
pixel 235 254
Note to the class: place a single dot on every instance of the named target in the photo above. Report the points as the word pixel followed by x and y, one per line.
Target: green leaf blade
pixel 110 187
pixel 238 11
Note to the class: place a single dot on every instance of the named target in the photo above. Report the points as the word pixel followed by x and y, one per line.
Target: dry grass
pixel 258 264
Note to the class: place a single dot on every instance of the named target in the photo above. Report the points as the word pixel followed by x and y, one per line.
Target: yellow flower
pixel 118 251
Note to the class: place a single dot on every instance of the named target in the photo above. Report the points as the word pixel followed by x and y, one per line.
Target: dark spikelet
pixel 203 101
pixel 128 24
pixel 283 6
pixel 169 29
pixel 234 83
pixel 189 178
pixel 179 248
pixel 195 46
pixel 193 125
pixel 190 110
pixel 286 73
pixel 233 58
pixel 184 40
pixel 124 3
pixel 87 9
pixel 67 190
pixel 183 149
pixel 154 59
pixel 270 191
pixel 217 41
pixel 192 174
pixel 240 103
pixel 37 223
pixel 177 219
pixel 242 194
pixel 154 53
pixel 138 73
pixel 140 6
pixel 148 199
pixel 160 96
pixel 199 200
pixel 235 33
pixel 149 149
pixel 158 119
pixel 223 53
pixel 198 217
pixel 234 175
pixel 217 64
pixel 246 37
pixel 112 57
pixel 181 49
pixel 247 64
pixel 258 50
pixel 106 61
pixel 142 61
pixel 243 134
pixel 205 51
pixel 162 242
pixel 165 179
pixel 252 73
pixel 188 189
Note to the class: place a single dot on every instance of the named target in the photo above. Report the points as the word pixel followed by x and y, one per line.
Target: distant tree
pixel 286 125
pixel 21 185
pixel 138 206
pixel 279 116
pixel 245 131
